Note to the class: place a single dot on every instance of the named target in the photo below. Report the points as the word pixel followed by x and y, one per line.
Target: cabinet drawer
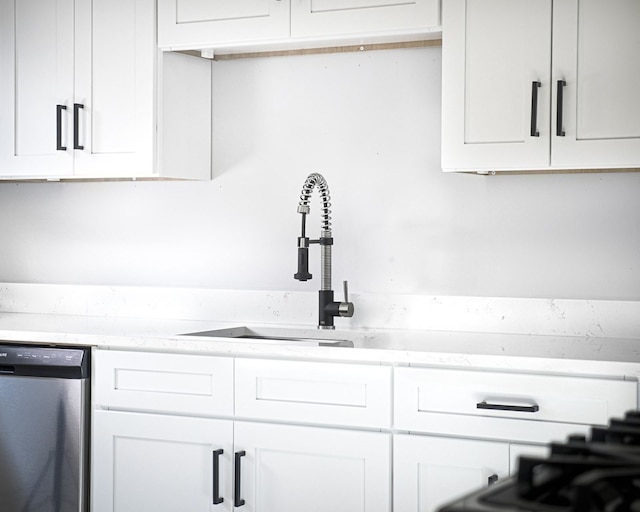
pixel 171 383
pixel 316 393
pixel 423 396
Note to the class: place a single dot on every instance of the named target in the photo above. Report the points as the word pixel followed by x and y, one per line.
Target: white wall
pixel 370 123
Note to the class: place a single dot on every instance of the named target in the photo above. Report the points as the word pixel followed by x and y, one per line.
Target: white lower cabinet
pixel 184 432
pixel 171 434
pixel 431 471
pixel 170 463
pixel 159 462
pixel 469 427
pixel 290 469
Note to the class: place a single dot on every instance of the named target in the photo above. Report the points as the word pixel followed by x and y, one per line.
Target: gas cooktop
pixel 599 473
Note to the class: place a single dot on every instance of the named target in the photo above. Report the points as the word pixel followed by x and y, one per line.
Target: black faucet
pixel 328 308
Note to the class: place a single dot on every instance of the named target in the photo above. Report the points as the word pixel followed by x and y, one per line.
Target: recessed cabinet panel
pixel 333 17
pixel 188 11
pixel 607 107
pixel 170 383
pixel 41 78
pixel 206 24
pixel 596 53
pixel 113 129
pixel 500 94
pixel 311 392
pixel 489 71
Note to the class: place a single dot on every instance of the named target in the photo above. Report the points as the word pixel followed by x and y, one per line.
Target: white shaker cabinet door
pixel 292 469
pixel 36 87
pixel 344 17
pixel 114 87
pixel 208 23
pixel 429 472
pixel 145 462
pixel 596 53
pixel 495 52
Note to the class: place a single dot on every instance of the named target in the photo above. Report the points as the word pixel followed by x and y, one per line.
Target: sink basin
pixel 277 335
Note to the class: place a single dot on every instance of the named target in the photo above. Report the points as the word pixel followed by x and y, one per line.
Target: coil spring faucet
pixel 328 308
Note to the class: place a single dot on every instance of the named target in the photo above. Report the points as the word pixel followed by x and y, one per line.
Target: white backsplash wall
pixel 370 122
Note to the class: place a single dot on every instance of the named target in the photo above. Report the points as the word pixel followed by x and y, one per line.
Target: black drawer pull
pixel 76 125
pixel 59 109
pixel 237 486
pixel 503 407
pixel 534 108
pixel 492 479
pixel 217 499
pixel 560 109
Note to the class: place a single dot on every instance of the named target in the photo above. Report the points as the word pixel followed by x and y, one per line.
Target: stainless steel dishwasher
pixel 44 428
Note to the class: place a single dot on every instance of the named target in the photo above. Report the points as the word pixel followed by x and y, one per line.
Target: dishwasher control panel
pixel 34 360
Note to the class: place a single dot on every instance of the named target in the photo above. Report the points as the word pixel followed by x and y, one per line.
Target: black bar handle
pixel 59 109
pixel 560 109
pixel 76 125
pixel 217 499
pixel 502 407
pixel 492 479
pixel 237 485
pixel 535 85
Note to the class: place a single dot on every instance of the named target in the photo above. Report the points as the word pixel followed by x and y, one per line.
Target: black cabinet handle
pixel 492 479
pixel 237 486
pixel 560 108
pixel 534 108
pixel 76 126
pixel 59 109
pixel 503 407
pixel 217 499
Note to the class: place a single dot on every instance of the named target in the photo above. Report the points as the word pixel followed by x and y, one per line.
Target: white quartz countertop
pixel 616 358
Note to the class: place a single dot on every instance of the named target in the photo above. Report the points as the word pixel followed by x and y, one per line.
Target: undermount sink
pixel 278 335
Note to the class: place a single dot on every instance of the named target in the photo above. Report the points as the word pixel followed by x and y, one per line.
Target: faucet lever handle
pixel 345 309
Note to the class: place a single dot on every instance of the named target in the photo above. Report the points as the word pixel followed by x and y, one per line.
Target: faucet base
pixel 325 313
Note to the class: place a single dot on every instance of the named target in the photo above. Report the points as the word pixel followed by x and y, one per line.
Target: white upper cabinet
pixel 597 53
pixel 261 24
pixel 535 85
pixel 114 82
pixel 82 91
pixel 493 52
pixel 36 87
pixel 341 17
pixel 205 23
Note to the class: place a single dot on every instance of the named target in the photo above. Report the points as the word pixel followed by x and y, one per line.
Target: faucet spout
pixel 328 308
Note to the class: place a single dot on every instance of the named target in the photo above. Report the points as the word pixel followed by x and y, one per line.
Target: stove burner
pixel 600 474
